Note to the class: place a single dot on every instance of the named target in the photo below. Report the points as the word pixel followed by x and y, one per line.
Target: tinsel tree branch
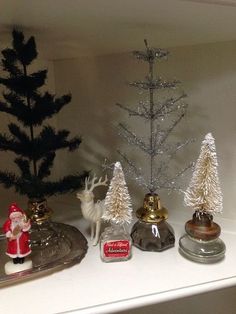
pixel 130 111
pixel 154 84
pixel 169 183
pixel 163 135
pixel 150 54
pixel 132 138
pixel 172 150
pixel 169 106
pixel 133 171
pixel 160 111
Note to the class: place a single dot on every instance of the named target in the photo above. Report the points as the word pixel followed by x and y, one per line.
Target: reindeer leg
pixel 98 227
pixel 92 231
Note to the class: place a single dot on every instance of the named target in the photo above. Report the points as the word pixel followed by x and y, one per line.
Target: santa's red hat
pixel 14 210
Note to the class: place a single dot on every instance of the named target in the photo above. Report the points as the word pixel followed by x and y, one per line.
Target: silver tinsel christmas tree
pixel 162 112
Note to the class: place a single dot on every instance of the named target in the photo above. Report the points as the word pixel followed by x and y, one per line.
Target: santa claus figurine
pixel 16 229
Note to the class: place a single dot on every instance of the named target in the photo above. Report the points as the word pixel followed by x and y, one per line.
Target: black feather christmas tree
pixel 23 100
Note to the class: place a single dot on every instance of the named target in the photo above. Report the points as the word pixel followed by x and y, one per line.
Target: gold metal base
pixel 38 211
pixel 152 211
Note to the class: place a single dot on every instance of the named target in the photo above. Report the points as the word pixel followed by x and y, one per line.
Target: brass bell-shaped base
pixel 152 211
pixel 38 211
pixel 151 232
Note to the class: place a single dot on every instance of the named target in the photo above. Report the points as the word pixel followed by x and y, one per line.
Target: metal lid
pixel 152 211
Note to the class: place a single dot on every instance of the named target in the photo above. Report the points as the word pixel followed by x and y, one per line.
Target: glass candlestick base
pixel 151 232
pixel 201 243
pixel 202 251
pixel 155 237
pixel 115 244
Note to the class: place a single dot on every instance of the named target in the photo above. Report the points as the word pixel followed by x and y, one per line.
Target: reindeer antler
pixel 86 183
pixel 93 184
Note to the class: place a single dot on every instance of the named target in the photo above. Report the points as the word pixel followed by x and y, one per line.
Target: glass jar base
pixel 202 251
pixel 153 237
pixel 115 244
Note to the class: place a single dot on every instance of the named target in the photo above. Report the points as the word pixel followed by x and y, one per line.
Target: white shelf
pixel 148 278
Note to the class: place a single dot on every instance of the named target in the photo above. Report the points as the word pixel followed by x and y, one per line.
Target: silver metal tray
pixel 68 249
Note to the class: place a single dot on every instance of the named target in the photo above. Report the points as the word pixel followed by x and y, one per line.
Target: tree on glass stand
pixel 34 142
pixel 202 243
pixel 162 111
pixel 116 242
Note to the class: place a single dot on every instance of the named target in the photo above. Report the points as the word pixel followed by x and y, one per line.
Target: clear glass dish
pixel 66 249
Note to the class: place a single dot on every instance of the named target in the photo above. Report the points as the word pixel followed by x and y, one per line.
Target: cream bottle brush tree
pixel 201 243
pixel 118 208
pixel 204 192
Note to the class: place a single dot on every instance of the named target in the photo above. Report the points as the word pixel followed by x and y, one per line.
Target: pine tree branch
pixel 19 134
pixel 66 184
pixel 9 144
pixel 4 108
pixel 9 62
pixel 26 51
pixel 16 106
pixel 35 188
pixel 50 105
pixel 49 141
pixel 8 179
pixel 18 40
pixel 9 55
pixel 25 85
pixel 24 166
pixel 45 166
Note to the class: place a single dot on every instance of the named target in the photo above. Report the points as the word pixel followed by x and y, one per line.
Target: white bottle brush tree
pixel 118 207
pixel 204 192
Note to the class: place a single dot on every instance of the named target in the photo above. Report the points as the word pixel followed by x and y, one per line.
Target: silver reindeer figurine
pixel 92 211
